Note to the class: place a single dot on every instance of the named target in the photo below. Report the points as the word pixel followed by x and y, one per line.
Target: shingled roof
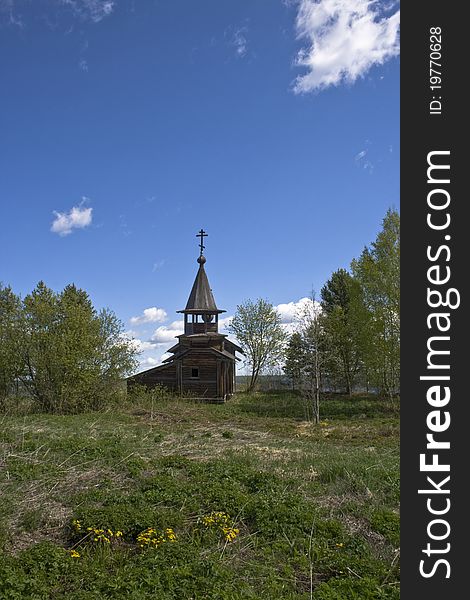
pixel 201 299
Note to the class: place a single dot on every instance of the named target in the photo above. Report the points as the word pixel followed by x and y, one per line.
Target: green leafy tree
pixel 10 360
pixel 257 327
pixel 295 359
pixel 38 345
pixel 343 323
pixel 74 357
pixel 378 272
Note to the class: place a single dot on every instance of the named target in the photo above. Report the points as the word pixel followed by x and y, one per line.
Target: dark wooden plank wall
pixel 165 376
pixel 215 376
pixel 206 384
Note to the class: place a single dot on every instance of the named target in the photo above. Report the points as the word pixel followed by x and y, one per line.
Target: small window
pixel 195 373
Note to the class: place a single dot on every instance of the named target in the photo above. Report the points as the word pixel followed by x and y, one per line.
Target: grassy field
pixel 306 512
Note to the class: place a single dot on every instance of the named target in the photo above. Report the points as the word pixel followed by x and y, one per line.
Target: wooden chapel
pixel 203 360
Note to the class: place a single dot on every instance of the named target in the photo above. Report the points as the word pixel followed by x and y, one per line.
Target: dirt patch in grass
pixel 360 526
pixel 356 525
pixel 206 442
pixel 47 518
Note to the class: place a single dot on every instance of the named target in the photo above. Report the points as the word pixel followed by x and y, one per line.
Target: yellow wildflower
pixel 76 525
pixel 221 521
pixel 230 533
pixel 150 537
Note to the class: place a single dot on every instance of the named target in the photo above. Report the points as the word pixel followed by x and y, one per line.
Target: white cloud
pixel 150 315
pixel 150 354
pixel 291 311
pixel 150 362
pixel 224 323
pixel 78 217
pixel 154 360
pixel 346 38
pixel 143 346
pixel 138 344
pixel 167 333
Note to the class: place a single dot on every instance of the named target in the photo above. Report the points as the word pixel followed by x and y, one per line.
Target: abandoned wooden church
pixel 203 361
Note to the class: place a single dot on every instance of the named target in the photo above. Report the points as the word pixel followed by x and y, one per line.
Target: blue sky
pixel 126 126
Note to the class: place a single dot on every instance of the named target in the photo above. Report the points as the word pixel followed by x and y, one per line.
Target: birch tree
pixel 378 272
pixel 312 330
pixel 257 327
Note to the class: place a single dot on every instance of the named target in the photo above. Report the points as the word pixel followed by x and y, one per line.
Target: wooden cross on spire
pixel 202 234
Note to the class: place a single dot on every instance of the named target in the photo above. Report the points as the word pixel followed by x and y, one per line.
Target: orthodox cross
pixel 202 234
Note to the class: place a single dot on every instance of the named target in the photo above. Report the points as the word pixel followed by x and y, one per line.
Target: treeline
pixel 350 338
pixel 57 347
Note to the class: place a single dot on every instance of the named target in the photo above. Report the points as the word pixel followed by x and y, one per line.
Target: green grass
pixel 316 508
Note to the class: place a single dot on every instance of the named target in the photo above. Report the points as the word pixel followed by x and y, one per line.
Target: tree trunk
pixel 254 379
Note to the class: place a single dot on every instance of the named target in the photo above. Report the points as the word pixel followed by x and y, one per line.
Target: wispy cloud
pixel 158 265
pixel 236 38
pixel 150 315
pixel 124 227
pixel 360 155
pixel 8 14
pixel 239 41
pixel 90 10
pixel 77 217
pixel 13 12
pixel 346 38
pixel 363 161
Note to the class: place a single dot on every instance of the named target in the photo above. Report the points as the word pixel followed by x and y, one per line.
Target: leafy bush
pixel 69 357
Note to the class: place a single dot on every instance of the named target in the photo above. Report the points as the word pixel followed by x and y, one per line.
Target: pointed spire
pixel 201 298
